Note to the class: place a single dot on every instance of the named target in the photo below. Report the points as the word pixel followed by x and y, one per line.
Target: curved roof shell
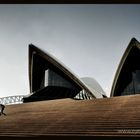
pixel 94 86
pixel 46 56
pixel 127 59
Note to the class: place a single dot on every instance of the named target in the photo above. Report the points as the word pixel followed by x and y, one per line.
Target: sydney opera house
pixel 62 105
pixel 50 79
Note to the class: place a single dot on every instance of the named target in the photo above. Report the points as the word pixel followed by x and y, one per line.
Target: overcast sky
pixel 89 39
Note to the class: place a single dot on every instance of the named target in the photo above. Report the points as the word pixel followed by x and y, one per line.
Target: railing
pixel 11 100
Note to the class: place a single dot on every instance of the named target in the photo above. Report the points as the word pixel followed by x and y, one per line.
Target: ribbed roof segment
pixel 88 87
pixel 133 45
pixel 94 86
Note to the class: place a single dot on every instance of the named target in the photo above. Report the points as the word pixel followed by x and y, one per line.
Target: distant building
pixel 50 79
pixel 127 78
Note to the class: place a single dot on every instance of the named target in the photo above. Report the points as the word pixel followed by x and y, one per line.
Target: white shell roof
pixel 89 84
pixel 94 86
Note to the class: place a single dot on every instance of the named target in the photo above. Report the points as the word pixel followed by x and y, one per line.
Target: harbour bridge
pixel 11 100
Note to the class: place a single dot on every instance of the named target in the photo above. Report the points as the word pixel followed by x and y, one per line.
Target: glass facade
pixel 137 81
pixel 133 87
pixel 129 79
pixel 45 74
pixel 82 95
pixel 55 79
pixel 49 82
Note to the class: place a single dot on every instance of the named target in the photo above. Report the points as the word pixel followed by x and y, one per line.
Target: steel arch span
pixel 11 100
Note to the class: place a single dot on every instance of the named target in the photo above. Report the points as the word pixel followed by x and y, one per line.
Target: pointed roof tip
pixel 134 40
pixel 31 45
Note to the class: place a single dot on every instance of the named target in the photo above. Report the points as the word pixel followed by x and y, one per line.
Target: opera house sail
pixel 127 78
pixel 50 79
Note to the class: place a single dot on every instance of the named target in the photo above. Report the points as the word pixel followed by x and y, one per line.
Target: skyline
pixel 89 39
